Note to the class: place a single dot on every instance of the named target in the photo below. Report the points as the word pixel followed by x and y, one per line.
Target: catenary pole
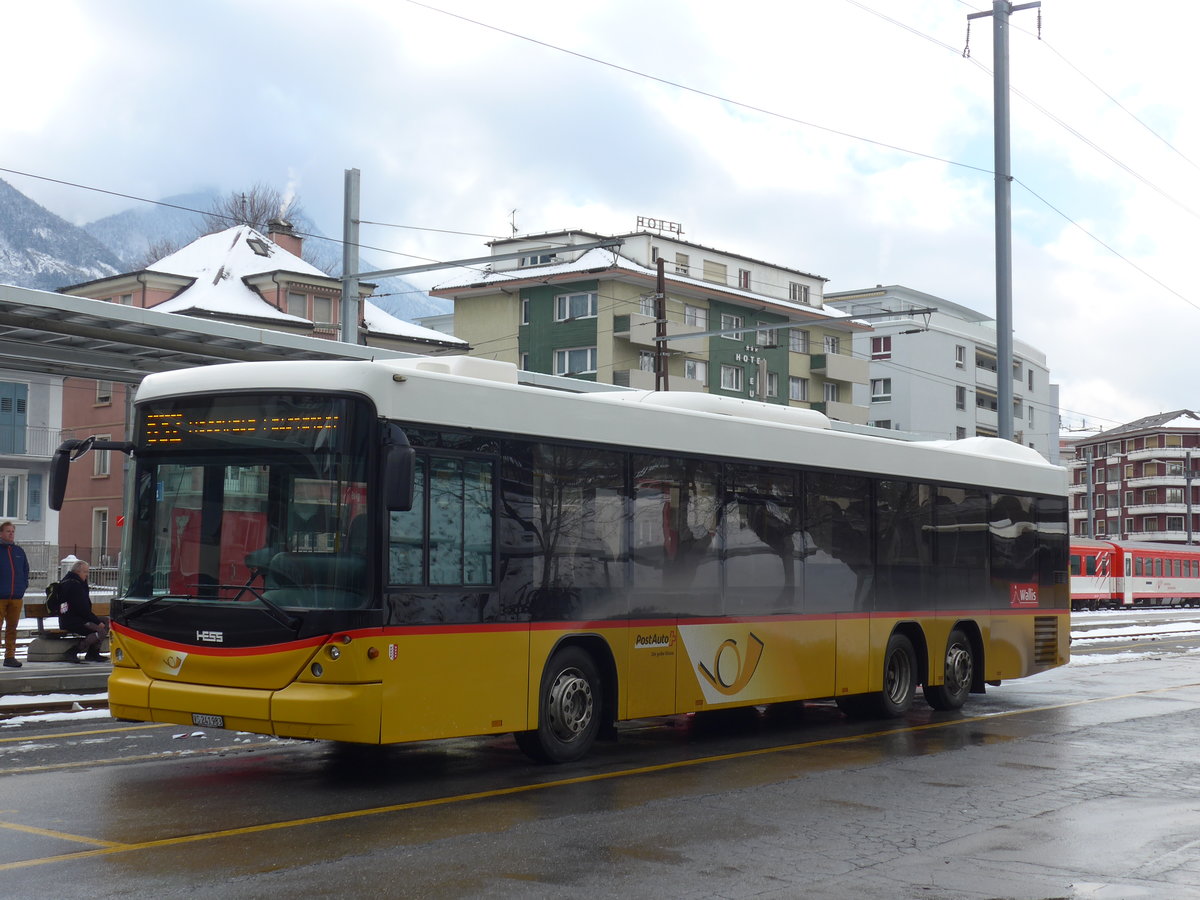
pixel 1001 11
pixel 350 223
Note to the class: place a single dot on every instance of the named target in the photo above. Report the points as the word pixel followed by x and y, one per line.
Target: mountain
pixel 40 250
pixel 132 233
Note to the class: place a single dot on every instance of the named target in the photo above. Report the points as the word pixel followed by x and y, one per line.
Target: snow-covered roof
pixel 219 263
pixel 600 258
pixel 378 321
pixel 1180 418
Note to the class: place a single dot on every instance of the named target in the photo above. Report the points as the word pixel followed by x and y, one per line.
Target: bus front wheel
pixel 568 709
pixel 959 674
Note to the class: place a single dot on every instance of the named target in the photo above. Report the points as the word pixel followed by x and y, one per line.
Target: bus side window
pixel 406 537
pixel 1091 565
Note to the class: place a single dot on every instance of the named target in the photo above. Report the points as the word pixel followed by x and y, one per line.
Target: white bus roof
pixel 483 395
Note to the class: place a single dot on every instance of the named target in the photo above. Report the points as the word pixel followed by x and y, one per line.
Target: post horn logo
pixel 740 670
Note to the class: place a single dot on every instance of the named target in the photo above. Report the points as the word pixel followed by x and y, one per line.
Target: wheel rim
pixel 897 680
pixel 958 668
pixel 570 706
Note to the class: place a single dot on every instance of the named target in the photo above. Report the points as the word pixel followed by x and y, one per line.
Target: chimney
pixel 284 235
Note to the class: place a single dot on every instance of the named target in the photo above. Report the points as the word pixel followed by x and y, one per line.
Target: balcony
pixel 985 378
pixel 30 441
pixel 1160 453
pixel 839 367
pixel 640 331
pixel 1162 508
pixel 843 412
pixel 1157 481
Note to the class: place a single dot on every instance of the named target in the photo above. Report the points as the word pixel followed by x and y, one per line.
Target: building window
pixel 960 357
pixel 960 397
pixel 99 534
pixel 767 337
pixel 537 259
pixel 882 423
pixel 1129 499
pixel 525 362
pixel 104 391
pixel 797 388
pixel 568 307
pixel 986 400
pixel 1100 501
pixel 730 324
pixel 832 344
pixel 100 458
pixel 577 361
pixel 696 316
pixel 831 392
pixel 1018 408
pixel 322 310
pixel 772 384
pixel 798 293
pixel 1018 371
pixel 1175 523
pixel 881 347
pixel 12 493
pixel 125 300
pixel 524 310
pixel 646 360
pixel 715 271
pixel 881 390
pixel 731 378
pixel 1129 528
pixel 681 264
pixel 646 306
pixel 1031 379
pixel 654 254
pixel 1029 416
pixel 960 433
pixel 297 304
pixel 798 340
pixel 696 370
pixel 744 279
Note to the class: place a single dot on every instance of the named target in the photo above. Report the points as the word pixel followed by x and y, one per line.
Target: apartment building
pixel 735 325
pixel 934 372
pixel 1135 482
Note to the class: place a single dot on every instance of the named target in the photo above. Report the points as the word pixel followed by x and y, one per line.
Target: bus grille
pixel 1045 640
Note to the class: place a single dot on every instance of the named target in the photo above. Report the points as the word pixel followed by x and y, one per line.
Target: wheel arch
pixel 916 636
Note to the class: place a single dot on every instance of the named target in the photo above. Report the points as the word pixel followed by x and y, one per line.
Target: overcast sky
pixel 847 138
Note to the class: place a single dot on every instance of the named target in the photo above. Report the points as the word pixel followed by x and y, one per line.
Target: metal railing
pixel 30 440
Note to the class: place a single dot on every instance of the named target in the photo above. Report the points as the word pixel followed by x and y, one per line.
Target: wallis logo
pixel 730 672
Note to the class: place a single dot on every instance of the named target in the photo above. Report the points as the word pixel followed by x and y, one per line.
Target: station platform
pixel 50 677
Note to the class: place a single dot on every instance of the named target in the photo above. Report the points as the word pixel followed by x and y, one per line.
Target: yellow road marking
pixel 71 734
pixel 110 848
pixel 45 832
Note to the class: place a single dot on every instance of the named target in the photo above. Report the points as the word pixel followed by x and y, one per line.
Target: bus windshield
pixel 251 497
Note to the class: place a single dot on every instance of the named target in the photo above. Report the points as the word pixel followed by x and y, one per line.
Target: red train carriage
pixel 1109 574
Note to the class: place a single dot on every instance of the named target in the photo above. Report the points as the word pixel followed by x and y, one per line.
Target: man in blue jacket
pixel 14 578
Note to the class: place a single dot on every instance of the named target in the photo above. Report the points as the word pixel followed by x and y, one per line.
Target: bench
pixel 54 644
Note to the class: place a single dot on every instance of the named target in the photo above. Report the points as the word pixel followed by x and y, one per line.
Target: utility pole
pixel 660 329
pixel 350 223
pixel 1001 10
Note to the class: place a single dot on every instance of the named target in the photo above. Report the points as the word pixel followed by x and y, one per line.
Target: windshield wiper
pixel 153 601
pixel 283 618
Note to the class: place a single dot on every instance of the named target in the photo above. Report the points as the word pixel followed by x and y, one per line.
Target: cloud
pixel 454 125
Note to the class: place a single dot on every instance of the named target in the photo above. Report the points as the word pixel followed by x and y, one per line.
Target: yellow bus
pixel 413 549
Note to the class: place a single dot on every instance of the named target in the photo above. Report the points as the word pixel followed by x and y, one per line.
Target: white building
pixel 934 374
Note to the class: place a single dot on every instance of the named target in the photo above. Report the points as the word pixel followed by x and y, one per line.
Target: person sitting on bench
pixel 77 616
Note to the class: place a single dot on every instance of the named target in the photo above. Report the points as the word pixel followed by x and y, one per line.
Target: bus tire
pixel 958 676
pixel 899 685
pixel 569 708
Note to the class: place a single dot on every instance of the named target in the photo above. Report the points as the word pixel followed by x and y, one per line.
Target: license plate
pixel 208 721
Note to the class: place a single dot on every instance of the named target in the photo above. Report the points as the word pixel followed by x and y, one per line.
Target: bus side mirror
pixel 60 468
pixel 399 466
pixel 399 469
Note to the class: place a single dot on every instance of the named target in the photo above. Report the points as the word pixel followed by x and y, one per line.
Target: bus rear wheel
pixel 899 685
pixel 958 677
pixel 568 709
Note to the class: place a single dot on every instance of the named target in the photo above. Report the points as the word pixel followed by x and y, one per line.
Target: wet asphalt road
pixel 1082 782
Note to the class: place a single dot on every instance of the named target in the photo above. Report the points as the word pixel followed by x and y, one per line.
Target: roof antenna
pixel 513 220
